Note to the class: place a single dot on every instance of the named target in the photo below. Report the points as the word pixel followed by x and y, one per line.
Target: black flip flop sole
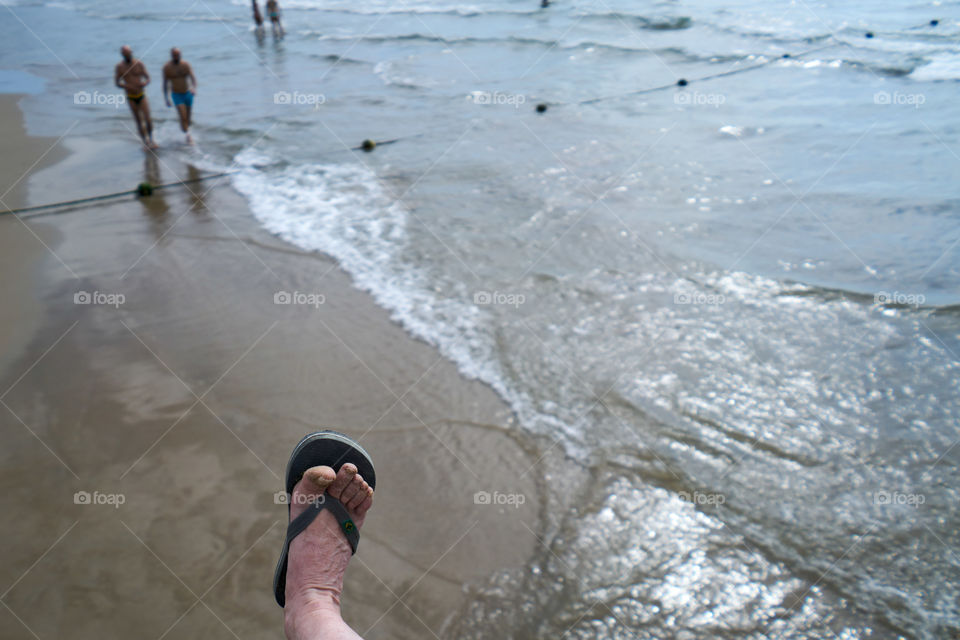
pixel 328 448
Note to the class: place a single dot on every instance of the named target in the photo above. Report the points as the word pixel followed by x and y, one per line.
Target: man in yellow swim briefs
pixel 131 76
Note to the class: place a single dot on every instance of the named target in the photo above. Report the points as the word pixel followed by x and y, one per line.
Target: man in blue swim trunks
pixel 178 77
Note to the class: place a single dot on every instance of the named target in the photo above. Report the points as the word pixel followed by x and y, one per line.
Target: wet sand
pixel 181 388
pixel 21 154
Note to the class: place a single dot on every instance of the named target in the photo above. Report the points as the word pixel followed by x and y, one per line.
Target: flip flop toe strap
pixel 301 522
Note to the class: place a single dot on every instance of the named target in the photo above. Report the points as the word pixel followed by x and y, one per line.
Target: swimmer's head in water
pixel 175 55
pixel 126 52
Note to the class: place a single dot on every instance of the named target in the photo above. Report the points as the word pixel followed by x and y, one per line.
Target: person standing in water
pixel 178 77
pixel 131 76
pixel 273 10
pixel 257 17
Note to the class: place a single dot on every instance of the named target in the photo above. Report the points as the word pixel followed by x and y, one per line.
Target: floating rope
pixel 683 82
pixel 369 145
pixel 143 189
pixel 146 189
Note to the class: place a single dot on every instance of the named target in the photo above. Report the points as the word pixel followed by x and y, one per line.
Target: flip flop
pixel 331 449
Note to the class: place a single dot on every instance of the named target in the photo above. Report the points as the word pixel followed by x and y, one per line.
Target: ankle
pixel 310 609
pixel 314 601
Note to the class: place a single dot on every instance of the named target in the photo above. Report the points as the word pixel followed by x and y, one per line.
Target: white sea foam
pixel 344 212
pixel 942 67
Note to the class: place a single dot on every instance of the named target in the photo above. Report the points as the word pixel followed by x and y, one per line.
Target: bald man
pixel 178 77
pixel 131 76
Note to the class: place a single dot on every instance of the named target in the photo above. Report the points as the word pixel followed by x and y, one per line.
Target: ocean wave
pixel 370 9
pixel 684 54
pixel 887 69
pixel 473 11
pixel 462 12
pixel 881 69
pixel 942 67
pixel 887 302
pixel 336 59
pixel 428 38
pixel 386 72
pixel 161 17
pixel 769 33
pixel 345 212
pixel 642 22
pixel 519 40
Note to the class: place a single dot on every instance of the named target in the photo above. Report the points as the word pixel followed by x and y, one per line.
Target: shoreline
pixel 184 390
pixel 21 247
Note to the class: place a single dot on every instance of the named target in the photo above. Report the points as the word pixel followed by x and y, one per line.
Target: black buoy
pixel 368 145
pixel 144 189
pixel 934 23
pixel 682 82
pixel 786 55
pixel 868 34
pixel 542 107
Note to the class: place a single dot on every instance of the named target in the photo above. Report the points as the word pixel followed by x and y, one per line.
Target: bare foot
pixel 318 557
pixel 189 139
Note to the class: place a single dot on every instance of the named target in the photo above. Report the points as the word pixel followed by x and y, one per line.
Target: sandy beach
pixel 147 364
pixel 19 244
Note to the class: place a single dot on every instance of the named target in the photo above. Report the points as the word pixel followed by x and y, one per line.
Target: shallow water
pixel 734 302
